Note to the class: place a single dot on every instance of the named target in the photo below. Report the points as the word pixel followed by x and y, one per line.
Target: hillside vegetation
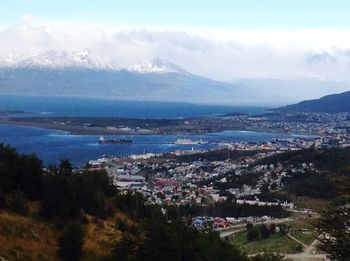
pixel 327 178
pixel 334 103
pixel 61 214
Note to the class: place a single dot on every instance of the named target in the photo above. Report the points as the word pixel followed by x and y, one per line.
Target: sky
pixel 224 40
pixel 243 14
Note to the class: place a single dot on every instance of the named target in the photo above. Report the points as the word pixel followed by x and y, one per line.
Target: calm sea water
pixel 88 107
pixel 52 146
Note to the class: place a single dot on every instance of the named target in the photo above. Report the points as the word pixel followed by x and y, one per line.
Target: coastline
pixel 168 130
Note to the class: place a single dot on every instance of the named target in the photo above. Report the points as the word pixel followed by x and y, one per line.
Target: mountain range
pixel 82 73
pixel 83 60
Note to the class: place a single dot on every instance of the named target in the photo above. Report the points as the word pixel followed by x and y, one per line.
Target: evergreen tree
pixel 71 242
pixel 333 227
pixel 18 203
pixel 252 234
pixel 264 232
pixel 65 167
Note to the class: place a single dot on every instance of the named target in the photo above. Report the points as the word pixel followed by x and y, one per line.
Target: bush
pixel 126 248
pixel 2 199
pixel 299 248
pixel 122 224
pixel 18 203
pixel 333 227
pixel 264 232
pixel 284 229
pixel 253 235
pixel 272 228
pixel 23 172
pixel 71 242
pixel 249 226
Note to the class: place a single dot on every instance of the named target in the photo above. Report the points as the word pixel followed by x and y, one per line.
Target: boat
pixel 189 142
pixel 102 140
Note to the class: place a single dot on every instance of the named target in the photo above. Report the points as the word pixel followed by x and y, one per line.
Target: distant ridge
pixel 83 73
pixel 156 85
pixel 334 103
pixel 84 59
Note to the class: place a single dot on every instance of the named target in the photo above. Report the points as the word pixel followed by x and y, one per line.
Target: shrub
pixel 272 228
pixel 299 248
pixel 71 242
pixel 18 203
pixel 122 224
pixel 264 232
pixel 284 229
pixel 249 226
pixel 2 199
pixel 253 235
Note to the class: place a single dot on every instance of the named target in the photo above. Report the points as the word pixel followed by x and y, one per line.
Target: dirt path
pixel 297 240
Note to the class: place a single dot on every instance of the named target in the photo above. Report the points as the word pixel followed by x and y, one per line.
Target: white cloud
pixel 222 54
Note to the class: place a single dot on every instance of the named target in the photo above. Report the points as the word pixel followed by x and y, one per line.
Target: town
pixel 232 171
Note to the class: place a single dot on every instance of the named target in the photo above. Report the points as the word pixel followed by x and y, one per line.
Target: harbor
pixel 53 146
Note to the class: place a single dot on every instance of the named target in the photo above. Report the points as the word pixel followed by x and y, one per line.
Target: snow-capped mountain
pixel 157 65
pixel 84 59
pixel 55 60
pixel 84 74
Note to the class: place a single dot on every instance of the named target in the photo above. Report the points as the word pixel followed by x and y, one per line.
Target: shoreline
pixel 98 131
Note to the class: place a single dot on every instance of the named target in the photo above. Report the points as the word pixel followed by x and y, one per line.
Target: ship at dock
pixel 102 140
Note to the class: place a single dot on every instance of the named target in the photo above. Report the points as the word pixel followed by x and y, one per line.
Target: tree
pixel 273 186
pixel 18 203
pixel 2 199
pixel 253 235
pixel 265 188
pixel 264 232
pixel 249 226
pixel 71 242
pixel 161 238
pixel 59 198
pixel 333 227
pixel 284 229
pixel 30 175
pixel 65 167
pixel 272 228
pixel 23 172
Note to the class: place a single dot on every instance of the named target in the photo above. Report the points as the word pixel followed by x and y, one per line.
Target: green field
pixel 301 223
pixel 306 237
pixel 276 243
pixel 317 205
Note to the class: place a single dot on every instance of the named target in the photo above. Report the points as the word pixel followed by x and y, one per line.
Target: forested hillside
pixel 64 214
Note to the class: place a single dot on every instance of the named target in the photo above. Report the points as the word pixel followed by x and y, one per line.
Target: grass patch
pixel 301 223
pixel 30 238
pixel 276 243
pixel 23 238
pixel 317 205
pixel 99 238
pixel 307 237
